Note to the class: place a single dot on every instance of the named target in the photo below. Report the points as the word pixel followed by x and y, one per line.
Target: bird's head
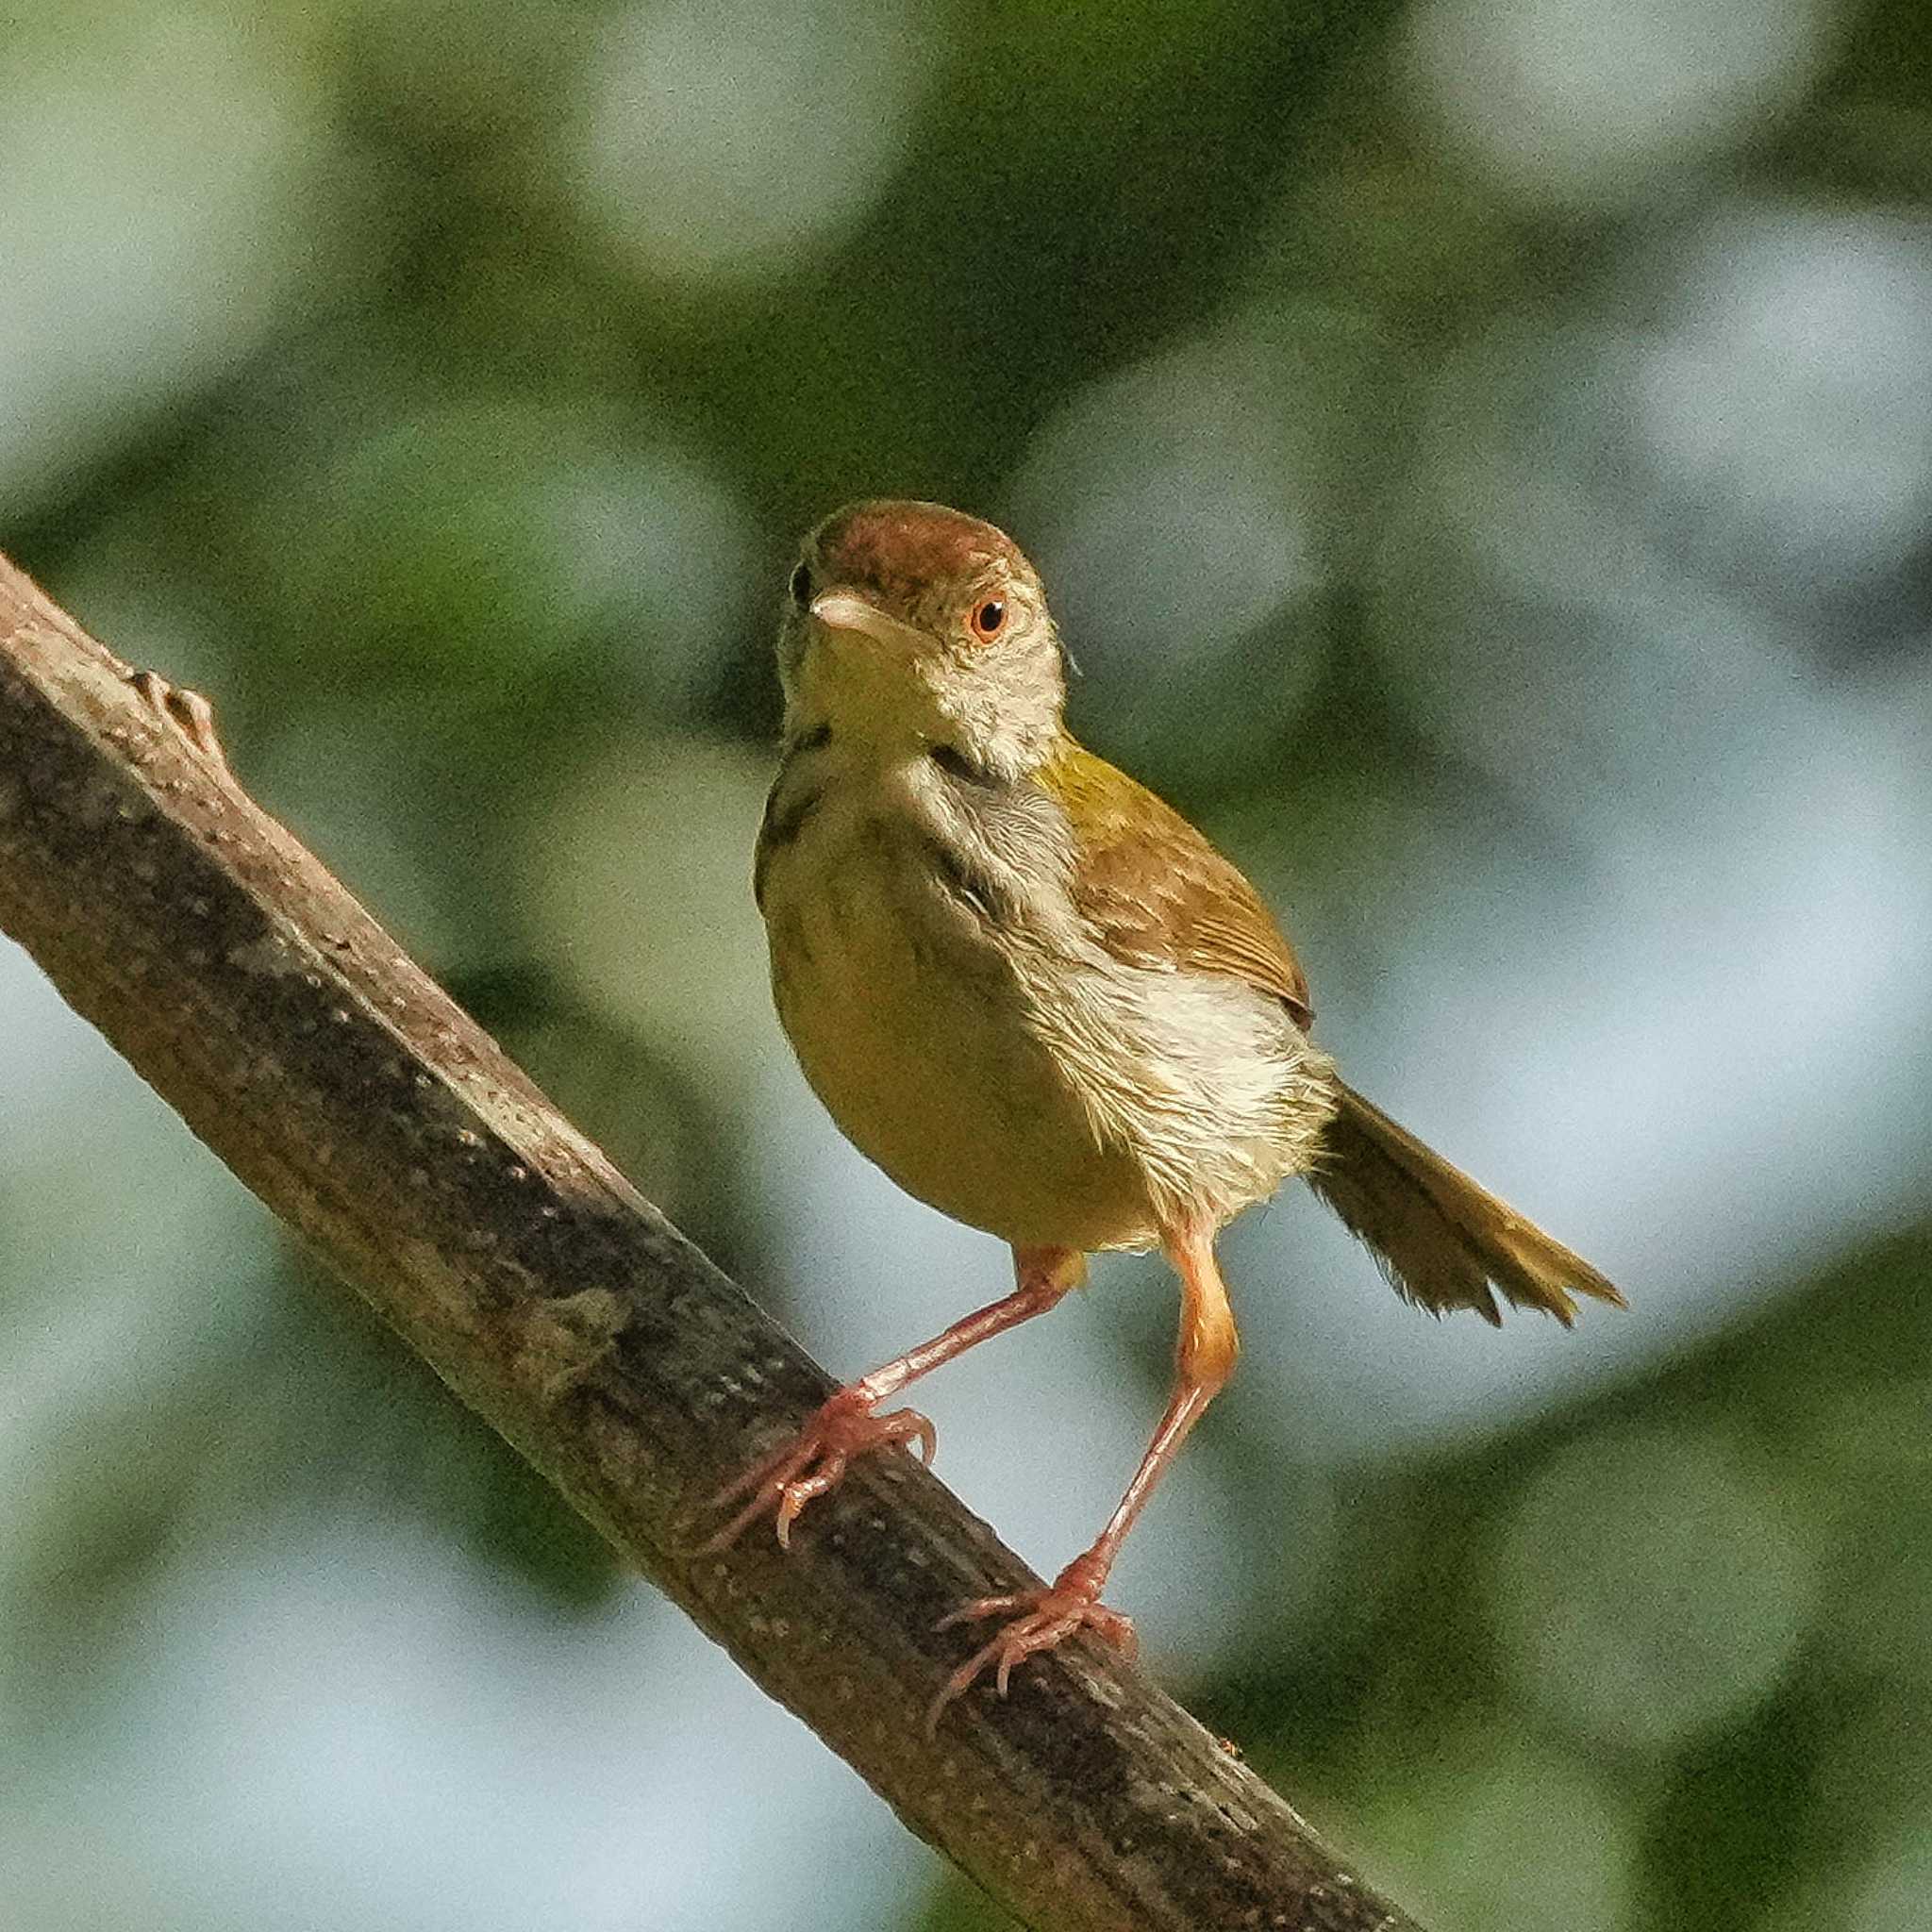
pixel 914 627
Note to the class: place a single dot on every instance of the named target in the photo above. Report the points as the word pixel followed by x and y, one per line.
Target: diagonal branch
pixel 348 1091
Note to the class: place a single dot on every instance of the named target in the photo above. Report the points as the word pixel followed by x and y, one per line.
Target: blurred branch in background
pixel 357 1100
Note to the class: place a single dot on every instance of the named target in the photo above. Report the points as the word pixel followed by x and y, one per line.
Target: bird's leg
pixel 781 1484
pixel 1040 1618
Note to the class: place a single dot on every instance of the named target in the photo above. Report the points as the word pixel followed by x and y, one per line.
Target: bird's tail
pixel 1440 1238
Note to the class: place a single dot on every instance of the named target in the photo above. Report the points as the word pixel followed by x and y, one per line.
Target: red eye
pixel 989 619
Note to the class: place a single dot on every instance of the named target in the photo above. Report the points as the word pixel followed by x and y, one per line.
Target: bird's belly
pixel 915 1032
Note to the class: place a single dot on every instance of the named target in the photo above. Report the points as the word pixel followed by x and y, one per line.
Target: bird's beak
pixel 843 611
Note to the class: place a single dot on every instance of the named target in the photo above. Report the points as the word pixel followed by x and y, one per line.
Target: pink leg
pixel 1041 1618
pixel 781 1484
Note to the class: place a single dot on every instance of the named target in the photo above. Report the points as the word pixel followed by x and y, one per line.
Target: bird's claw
pixel 815 1460
pixel 1040 1619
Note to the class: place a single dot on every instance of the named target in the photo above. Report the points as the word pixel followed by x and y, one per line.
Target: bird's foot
pixel 815 1460
pixel 186 712
pixel 1040 1619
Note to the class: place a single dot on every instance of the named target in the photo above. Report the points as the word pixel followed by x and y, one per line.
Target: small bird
pixel 1043 1002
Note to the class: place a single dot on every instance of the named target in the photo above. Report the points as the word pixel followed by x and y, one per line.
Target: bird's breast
pixel 895 970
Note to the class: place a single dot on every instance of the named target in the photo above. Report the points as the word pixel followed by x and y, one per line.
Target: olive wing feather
pixel 1157 894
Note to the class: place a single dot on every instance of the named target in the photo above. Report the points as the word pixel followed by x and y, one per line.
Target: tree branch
pixel 365 1107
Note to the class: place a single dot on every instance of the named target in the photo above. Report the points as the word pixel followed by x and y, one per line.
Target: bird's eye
pixel 989 619
pixel 801 586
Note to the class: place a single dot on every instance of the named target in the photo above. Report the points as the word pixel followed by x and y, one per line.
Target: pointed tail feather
pixel 1441 1239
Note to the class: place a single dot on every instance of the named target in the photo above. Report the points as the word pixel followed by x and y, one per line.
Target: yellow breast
pixel 914 1028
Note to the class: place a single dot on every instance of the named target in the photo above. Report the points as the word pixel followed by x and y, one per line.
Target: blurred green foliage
pixel 1481 454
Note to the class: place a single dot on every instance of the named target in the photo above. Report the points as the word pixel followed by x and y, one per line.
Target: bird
pixel 1037 998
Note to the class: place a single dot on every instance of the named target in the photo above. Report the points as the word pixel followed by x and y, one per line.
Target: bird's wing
pixel 1157 892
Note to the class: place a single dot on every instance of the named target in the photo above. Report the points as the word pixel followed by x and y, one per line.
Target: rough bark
pixel 346 1090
